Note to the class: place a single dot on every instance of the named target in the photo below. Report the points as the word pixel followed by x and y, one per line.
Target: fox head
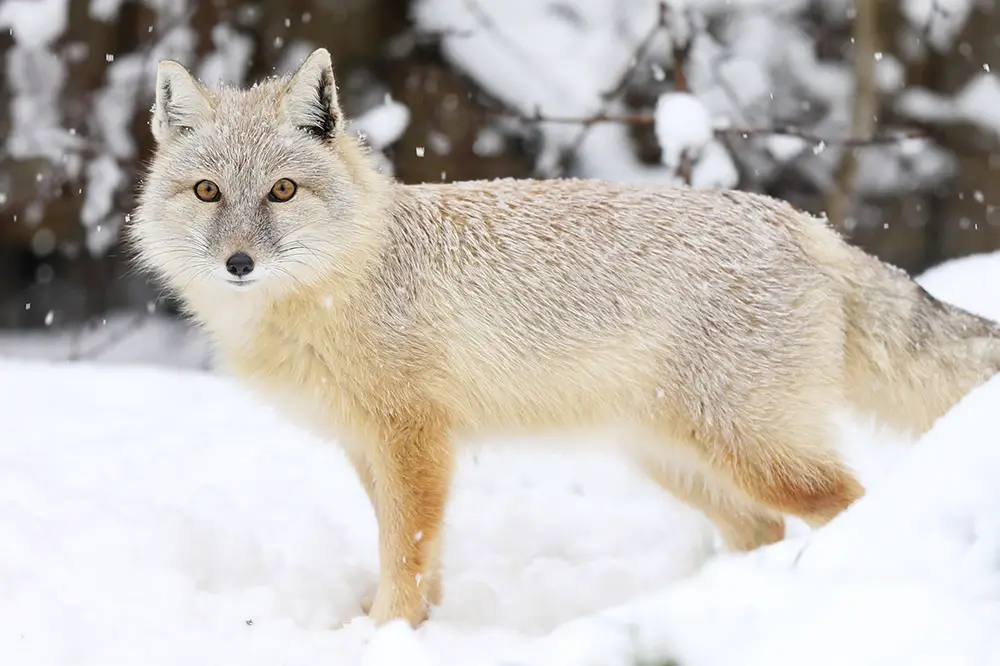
pixel 253 192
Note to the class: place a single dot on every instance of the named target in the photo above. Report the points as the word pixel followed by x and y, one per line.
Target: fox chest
pixel 326 396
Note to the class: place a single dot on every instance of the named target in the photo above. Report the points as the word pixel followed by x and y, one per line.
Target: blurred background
pixel 883 115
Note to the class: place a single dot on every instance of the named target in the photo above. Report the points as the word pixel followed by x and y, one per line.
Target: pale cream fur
pixel 722 328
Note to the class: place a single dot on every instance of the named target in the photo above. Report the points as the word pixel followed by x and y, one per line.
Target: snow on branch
pixel 884 136
pixel 738 83
pixel 938 21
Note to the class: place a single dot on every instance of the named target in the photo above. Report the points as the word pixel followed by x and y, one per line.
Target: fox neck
pixel 235 320
pixel 230 318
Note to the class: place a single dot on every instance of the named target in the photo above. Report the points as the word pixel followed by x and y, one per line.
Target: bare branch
pixel 863 115
pixel 728 132
pixel 111 341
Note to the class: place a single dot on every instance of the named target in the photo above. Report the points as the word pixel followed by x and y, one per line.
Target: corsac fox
pixel 720 329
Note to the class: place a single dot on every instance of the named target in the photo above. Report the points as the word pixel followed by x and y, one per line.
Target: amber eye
pixel 207 191
pixel 283 190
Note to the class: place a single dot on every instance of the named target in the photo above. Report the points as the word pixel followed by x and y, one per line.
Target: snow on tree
pixel 749 68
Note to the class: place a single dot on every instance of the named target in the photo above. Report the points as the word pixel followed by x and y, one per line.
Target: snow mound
pixel 972 283
pixel 908 575
pixel 161 516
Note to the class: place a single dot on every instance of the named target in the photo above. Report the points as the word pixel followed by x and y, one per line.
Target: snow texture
pixel 978 102
pixel 228 62
pixel 104 10
pixel 685 133
pixel 34 23
pixel 104 178
pixel 161 516
pixel 939 20
pixel 35 77
pixel 384 124
pixel 141 527
pixel 558 59
pixel 119 339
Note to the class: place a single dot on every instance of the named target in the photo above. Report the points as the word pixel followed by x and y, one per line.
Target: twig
pixel 680 52
pixel 731 132
pixel 440 34
pixel 802 551
pixel 840 198
pixel 132 326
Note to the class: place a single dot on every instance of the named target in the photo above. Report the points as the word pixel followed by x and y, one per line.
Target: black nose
pixel 239 264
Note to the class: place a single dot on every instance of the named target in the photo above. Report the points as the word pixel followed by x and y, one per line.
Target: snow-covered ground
pixel 154 515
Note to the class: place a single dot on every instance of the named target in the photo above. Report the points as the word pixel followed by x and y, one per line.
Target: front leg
pixel 411 471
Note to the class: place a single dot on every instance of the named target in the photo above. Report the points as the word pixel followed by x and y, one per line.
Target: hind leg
pixel 796 472
pixel 775 455
pixel 742 525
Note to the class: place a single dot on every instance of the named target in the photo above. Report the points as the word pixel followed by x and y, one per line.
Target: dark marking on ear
pixel 168 96
pixel 326 128
pixel 167 93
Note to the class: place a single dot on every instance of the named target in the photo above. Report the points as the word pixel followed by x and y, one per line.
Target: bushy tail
pixel 909 356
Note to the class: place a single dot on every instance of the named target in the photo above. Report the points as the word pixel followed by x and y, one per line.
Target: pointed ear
pixel 181 102
pixel 310 99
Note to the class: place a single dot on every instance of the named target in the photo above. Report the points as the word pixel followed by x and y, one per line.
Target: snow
pixel 784 147
pixel 685 132
pixel 160 515
pixel 141 527
pixel 35 77
pixel 939 21
pixel 116 100
pixel 104 178
pixel 384 124
pixel 683 127
pixel 907 575
pixel 228 62
pixel 978 102
pixel 120 339
pixel 113 106
pixel 34 23
pixel 714 168
pixel 919 161
pixel 104 10
pixel 890 73
pixel 971 282
pixel 557 59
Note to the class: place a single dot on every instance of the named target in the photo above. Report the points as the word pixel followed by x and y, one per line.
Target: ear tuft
pixel 181 102
pixel 310 99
